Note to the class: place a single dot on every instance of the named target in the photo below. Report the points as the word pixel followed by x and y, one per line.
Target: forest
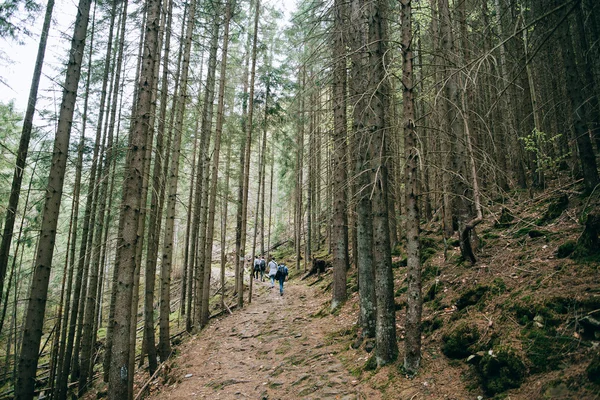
pixel 427 170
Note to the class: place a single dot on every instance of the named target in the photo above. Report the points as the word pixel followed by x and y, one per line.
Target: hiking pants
pixel 281 286
pixel 272 280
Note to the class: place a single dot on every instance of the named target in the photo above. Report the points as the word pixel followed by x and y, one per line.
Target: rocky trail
pixel 275 348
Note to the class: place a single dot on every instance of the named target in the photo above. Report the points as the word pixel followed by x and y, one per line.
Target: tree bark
pixel 412 353
pixel 339 220
pixel 36 308
pixel 119 387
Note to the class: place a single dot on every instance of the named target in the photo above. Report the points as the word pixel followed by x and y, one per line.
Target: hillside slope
pixel 522 323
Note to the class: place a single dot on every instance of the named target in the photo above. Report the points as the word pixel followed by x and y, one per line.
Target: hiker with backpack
pixel 256 267
pixel 263 268
pixel 272 271
pixel 280 275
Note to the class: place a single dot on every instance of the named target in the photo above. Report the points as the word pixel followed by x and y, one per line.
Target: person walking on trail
pixel 256 267
pixel 263 268
pixel 280 275
pixel 272 271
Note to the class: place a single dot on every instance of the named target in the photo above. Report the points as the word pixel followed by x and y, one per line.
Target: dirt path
pixel 261 354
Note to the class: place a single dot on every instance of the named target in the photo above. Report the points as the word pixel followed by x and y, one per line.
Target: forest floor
pixel 528 312
pixel 278 347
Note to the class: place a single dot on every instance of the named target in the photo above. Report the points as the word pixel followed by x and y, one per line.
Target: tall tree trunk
pixel 412 353
pixel 89 316
pixel 386 349
pixel 339 229
pixel 224 207
pixel 36 308
pixel 68 334
pixel 578 104
pixel 164 345
pixel 125 258
pixel 154 223
pixel 246 174
pixel 203 173
pixel 364 223
pixel 215 167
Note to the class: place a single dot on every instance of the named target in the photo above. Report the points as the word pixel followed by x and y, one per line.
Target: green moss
pixel 397 251
pixel 566 249
pixel 545 349
pixel 555 209
pixel 430 272
pixel 427 242
pixel 402 263
pixel 500 371
pixel 460 342
pixel 593 370
pixel 401 291
pixel 490 236
pixel 427 253
pixel 498 286
pixel 472 297
pixel 433 291
pixel 505 220
pixel 431 325
pixel 371 364
pixel 525 312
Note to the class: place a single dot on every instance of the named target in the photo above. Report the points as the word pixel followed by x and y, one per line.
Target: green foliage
pixel 537 142
pixel 16 16
pixel 461 341
pixel 500 371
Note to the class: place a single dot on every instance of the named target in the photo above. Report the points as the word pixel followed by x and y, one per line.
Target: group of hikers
pixel 277 272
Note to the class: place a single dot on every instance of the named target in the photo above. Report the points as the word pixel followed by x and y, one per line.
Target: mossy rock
pixel 555 209
pixel 566 249
pixel 431 325
pixel 526 312
pixel 371 364
pixel 542 350
pixel 472 297
pixel 593 370
pixel 500 371
pixel 461 341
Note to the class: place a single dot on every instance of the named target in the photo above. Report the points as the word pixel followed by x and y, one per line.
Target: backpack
pixel 263 265
pixel 282 272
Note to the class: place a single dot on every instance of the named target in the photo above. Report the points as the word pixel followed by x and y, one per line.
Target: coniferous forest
pixel 426 169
